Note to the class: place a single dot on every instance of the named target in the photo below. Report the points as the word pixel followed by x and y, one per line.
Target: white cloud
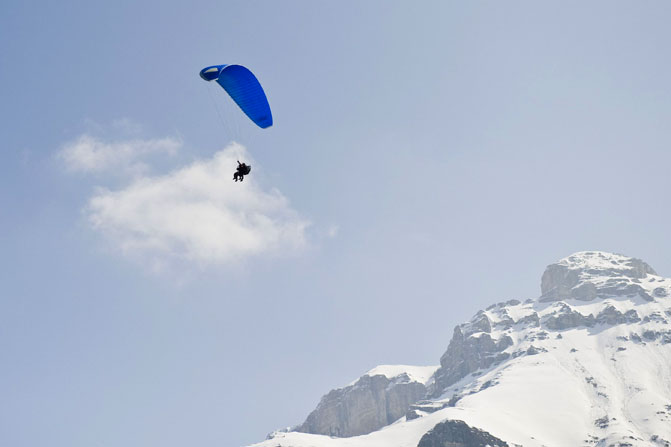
pixel 197 213
pixel 89 154
pixel 332 230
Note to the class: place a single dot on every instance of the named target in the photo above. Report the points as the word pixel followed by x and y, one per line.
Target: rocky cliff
pixel 378 398
pixel 471 348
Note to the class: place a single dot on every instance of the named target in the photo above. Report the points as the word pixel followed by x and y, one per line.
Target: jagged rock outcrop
pixel 530 320
pixel 663 336
pixel 567 318
pixel 370 403
pixel 610 315
pixel 459 434
pixel 660 292
pixel 470 349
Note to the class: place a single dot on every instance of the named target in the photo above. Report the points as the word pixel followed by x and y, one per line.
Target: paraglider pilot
pixel 242 170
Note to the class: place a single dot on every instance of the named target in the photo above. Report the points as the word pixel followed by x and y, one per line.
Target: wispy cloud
pixel 195 213
pixel 91 155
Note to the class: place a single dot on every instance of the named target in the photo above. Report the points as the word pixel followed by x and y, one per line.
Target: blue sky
pixel 427 160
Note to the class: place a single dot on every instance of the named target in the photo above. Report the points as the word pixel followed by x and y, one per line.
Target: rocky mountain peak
pixel 586 364
pixel 588 275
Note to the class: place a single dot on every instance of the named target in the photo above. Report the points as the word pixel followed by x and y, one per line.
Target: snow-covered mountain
pixel 588 363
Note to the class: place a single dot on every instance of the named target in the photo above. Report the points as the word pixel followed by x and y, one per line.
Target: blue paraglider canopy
pixel 244 88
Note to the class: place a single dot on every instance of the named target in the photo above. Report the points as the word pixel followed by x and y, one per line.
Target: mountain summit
pixel 591 274
pixel 588 363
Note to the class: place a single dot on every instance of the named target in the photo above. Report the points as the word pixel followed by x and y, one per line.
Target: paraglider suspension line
pixel 216 107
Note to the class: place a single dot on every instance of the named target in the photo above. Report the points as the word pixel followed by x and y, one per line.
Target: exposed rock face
pixel 470 349
pixel 530 320
pixel 459 434
pixel 663 336
pixel 610 315
pixel 367 405
pixel 660 292
pixel 588 275
pixel 567 318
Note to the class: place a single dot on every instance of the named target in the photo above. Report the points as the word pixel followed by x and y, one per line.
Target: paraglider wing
pixel 244 88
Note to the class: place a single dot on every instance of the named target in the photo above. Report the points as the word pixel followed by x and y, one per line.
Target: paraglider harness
pixel 242 170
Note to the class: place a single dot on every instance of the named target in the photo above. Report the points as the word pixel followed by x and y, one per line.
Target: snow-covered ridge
pixel 598 260
pixel 421 374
